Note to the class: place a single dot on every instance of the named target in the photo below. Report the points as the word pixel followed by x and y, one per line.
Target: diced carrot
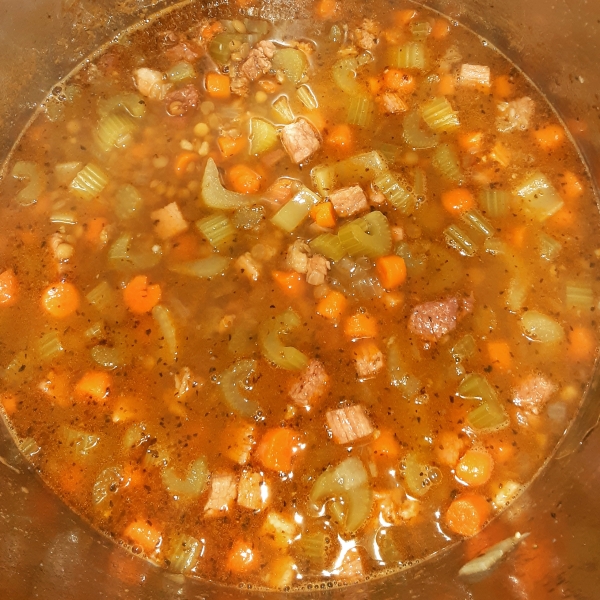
pixel 446 85
pixel 230 146
pixel 582 343
pixel 500 355
pixel 502 87
pixel 374 85
pixel 570 186
pixel 549 137
pixel 399 81
pixel 516 236
pixel 471 141
pixel 502 451
pixel 332 306
pixel 392 299
pixel 244 180
pixel 341 137
pixel 475 467
pixel 404 17
pixel 326 9
pixel 361 325
pixel 391 271
pixel 386 445
pixel 94 228
pixel 60 300
pixel 458 200
pixel 183 161
pixel 440 29
pixel 9 403
pixel 185 247
pixel 9 288
pixel 467 514
pixel 269 86
pixel 139 296
pixel 448 448
pixel 323 215
pixel 94 385
pixel 144 535
pixel 290 282
pixel 209 32
pixel 218 85
pixel 564 218
pixel 276 449
pixel 242 557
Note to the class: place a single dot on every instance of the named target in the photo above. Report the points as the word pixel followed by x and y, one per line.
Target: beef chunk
pixel 515 115
pixel 182 100
pixel 349 201
pixel 349 424
pixel 433 320
pixel 311 386
pixel 533 392
pixel 300 140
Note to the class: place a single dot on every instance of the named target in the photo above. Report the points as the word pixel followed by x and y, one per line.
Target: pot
pixel 47 551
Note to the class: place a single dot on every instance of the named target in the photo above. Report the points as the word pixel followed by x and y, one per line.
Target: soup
pixel 286 305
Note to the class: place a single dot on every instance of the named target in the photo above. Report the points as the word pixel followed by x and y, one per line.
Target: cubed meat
pixel 248 266
pixel 433 320
pixel 223 492
pixel 300 140
pixel 376 196
pixel 515 115
pixel 311 386
pixel 368 359
pixel 181 101
pixel 168 221
pixel 349 201
pixel 351 568
pixel 474 75
pixel 316 273
pixel 366 36
pixel 349 424
pixel 259 60
pixel 298 256
pixel 533 392
pixel 392 103
pixel 151 84
pixel 253 491
pixel 280 529
pixel 239 84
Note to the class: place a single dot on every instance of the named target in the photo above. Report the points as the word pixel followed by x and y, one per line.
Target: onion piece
pixel 192 485
pixel 492 556
pixel 165 321
pixel 29 172
pixel 214 195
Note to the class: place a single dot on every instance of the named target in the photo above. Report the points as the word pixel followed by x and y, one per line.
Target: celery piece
pixel 344 76
pixel 446 162
pixel 216 196
pixel 539 197
pixel 539 327
pixel 217 229
pixel 395 193
pixel 263 136
pixel 307 97
pixel 464 348
pixel 313 547
pixel 89 182
pixel 578 295
pixel 29 447
pixel 291 214
pixel 324 179
pixel 118 253
pixel 360 168
pixel 65 171
pixel 128 202
pixel 487 418
pixel 17 369
pixel 64 218
pixel 409 56
pixel 439 114
pixel 419 477
pixel 549 248
pixel 478 223
pixel 459 240
pixel 390 152
pixel 292 62
pixel 165 322
pixel 49 346
pixel 31 173
pixel 183 553
pixel 414 136
pixel 80 442
pixel 282 109
pixel 420 185
pixel 248 218
pixel 408 385
pixel 366 236
pixel 114 131
pixel 107 357
pixel 495 247
pixel 494 203
pixel 95 331
pixel 476 387
pixel 269 334
pixel 416 262
pixel 102 296
pixel 360 111
pixel 203 268
pixel 220 46
pixel 516 293
pixel 181 71
pixel 190 486
pixel 236 379
pixel 420 29
pixel 134 104
pixel 329 246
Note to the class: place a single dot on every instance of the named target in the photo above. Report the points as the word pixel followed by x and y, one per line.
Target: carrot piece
pixel 392 299
pixel 570 186
pixel 475 467
pixel 244 180
pixel 185 247
pixel 386 445
pixel 448 448
pixel 242 557
pixel 467 514
pixel 471 141
pixel 549 137
pixel 440 29
pixel 361 325
pixel 183 161
pixel 144 535
pixel 230 146
pixel 502 87
pixel 9 288
pixel 9 403
pixel 218 85
pixel 276 449
pixel 341 136
pixel 374 85
pixel 516 236
pixel 582 343
pixel 292 283
pixel 500 355
pixel 323 215
pixel 60 300
pixel 140 297
pixel 458 200
pixel 326 9
pixel 269 86
pixel 399 81
pixel 332 306
pixel 94 228
pixel 94 385
pixel 446 85
pixel 391 271
pixel 404 17
pixel 209 32
pixel 502 451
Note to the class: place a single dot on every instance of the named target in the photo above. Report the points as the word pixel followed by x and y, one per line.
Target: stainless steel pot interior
pixel 46 551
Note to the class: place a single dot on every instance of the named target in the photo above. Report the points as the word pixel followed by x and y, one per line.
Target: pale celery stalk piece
pixel 181 71
pixel 549 247
pixel 274 350
pixel 64 218
pixel 495 203
pixel 538 196
pixel 445 160
pixel 282 109
pixel 115 130
pixel 361 168
pixel 360 111
pixel 102 296
pixel 166 323
pixel 263 136
pixel 459 240
pixel 517 292
pixel 396 193
pixel 344 76
pixel 49 346
pixel 184 552
pixel 329 246
pixel 324 179
pixel 439 114
pixel 579 295
pixel 420 29
pixel 495 247
pixel 464 348
pixel 133 104
pixel 217 229
pixel 291 214
pixel 478 223
pixel 214 195
pixel 419 477
pixel 190 486
pixel 420 185
pixel 90 182
pixel 30 173
pixel 490 415
pixel 234 382
pixel 107 357
pixel 292 62
pixel 411 55
pixel 307 97
pixel 367 236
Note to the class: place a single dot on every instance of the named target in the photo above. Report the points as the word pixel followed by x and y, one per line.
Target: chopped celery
pixel 236 378
pixel 190 486
pixel 416 262
pixel 65 171
pixel 263 136
pixel 395 193
pixel 64 218
pixel 476 387
pixel 217 229
pixel 360 168
pixel 344 76
pixel 203 268
pixel 367 236
pixel 420 185
pixel 49 346
pixel 114 131
pixel 258 26
pixel 324 179
pixel 89 182
pixel 446 162
pixel 270 333
pixel 80 442
pixel 490 415
pixel 409 56
pixel 494 246
pixel 478 223
pixel 420 29
pixel 399 375
pixel 414 136
pixel 486 418
pixel 30 172
pixel 281 107
pixel 307 97
pixel 118 253
pixel 216 196
pixel 419 477
pixel 360 111
pixel 390 152
pixel 291 214
pixel 494 203
pixel 102 296
pixel 133 104
pixel 539 327
pixel 183 553
pixel 464 348
pixel 439 114
pixel 292 62
pixel 128 202
pixel 314 548
pixel 329 246
pixel 516 293
pixel 459 240
pixel 165 322
pixel 549 248
pixel 579 295
pixel 539 197
pixel 107 357
pixel 181 71
pixel 95 331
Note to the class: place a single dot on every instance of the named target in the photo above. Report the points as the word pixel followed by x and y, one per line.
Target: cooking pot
pixel 46 551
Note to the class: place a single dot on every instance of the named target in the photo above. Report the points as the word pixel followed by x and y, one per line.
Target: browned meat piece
pixel 240 85
pixel 474 75
pixel 223 491
pixel 311 386
pixel 392 103
pixel 433 320
pixel 253 491
pixel 515 115
pixel 258 62
pixel 183 51
pixel 317 270
pixel 300 140
pixel 533 392
pixel 349 201
pixel 298 256
pixel 368 360
pixel 348 424
pixel 181 101
pixel 365 36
